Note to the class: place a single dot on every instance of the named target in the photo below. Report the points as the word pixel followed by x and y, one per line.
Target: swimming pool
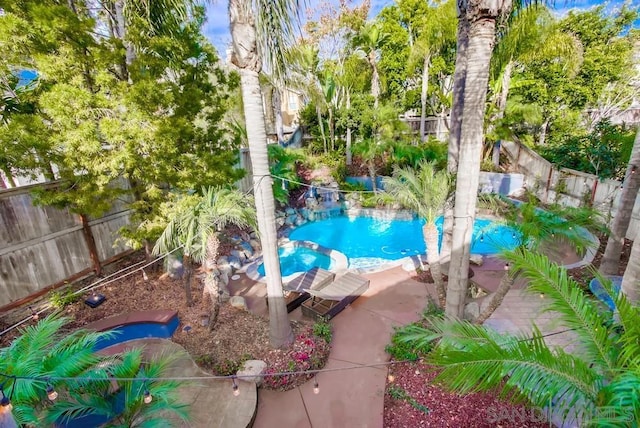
pixel 365 240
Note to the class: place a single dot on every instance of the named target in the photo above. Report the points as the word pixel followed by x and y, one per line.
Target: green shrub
pixel 322 329
pixel 400 350
pixel 62 297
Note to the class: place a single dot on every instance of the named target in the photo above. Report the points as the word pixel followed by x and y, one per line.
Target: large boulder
pixel 252 370
pixel 234 260
pixel 247 248
pixel 476 259
pixel 255 244
pixel 238 302
pixel 174 266
pixel 226 269
pixel 471 311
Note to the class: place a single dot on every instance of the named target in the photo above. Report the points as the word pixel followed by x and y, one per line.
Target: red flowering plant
pixel 308 352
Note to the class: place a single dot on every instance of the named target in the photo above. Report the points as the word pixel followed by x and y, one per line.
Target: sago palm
pixel 425 191
pixel 46 355
pixel 196 227
pixel 596 385
pixel 534 229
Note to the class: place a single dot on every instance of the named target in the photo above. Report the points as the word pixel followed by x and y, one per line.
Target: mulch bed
pixel 237 335
pixel 435 407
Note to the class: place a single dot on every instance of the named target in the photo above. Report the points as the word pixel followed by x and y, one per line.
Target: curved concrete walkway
pixel 355 398
pixel 212 404
pixel 347 398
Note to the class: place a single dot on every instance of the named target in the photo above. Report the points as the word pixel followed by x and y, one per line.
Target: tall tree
pixel 481 18
pixel 260 30
pixel 160 127
pixel 611 259
pixel 436 29
pixel 425 191
pixel 369 40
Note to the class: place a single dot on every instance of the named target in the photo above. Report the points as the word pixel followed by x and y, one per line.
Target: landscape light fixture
pixel 236 390
pixel 52 394
pixel 95 300
pixel 316 387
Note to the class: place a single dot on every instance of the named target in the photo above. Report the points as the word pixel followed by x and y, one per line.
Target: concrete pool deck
pixel 355 397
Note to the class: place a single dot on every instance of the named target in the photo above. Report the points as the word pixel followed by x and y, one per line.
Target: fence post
pixel 91 244
pixel 593 191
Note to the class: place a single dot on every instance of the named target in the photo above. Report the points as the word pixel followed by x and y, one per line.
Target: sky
pixel 217 26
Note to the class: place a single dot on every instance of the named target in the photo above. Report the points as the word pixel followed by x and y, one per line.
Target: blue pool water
pixel 143 330
pixel 370 238
pixel 299 259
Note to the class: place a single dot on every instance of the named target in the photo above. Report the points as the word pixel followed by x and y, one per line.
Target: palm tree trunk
pixel 375 79
pixel 211 294
pixel 372 174
pixel 349 154
pixel 631 279
pixel 459 87
pixel 246 58
pixel 321 124
pixel 277 108
pixel 423 95
pixel 430 233
pixel 504 91
pixel 496 299
pixel 543 132
pixel 280 329
pixel 186 281
pixel 455 123
pixel 332 130
pixel 631 185
pixel 480 45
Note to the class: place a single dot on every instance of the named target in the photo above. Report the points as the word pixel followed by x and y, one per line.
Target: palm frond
pixel 569 303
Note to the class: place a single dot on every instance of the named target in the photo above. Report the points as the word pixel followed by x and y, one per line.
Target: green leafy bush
pixel 322 329
pixel 399 349
pixel 63 297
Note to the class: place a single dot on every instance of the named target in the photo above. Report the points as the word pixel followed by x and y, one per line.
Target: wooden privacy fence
pixel 567 186
pixel 42 247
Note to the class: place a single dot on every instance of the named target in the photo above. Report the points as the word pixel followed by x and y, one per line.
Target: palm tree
pixel 196 226
pixel 305 64
pixel 535 228
pixel 370 150
pixel 476 38
pixel 369 40
pixel 631 184
pixel 437 29
pixel 599 379
pixel 67 362
pixel 260 31
pixel 425 191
